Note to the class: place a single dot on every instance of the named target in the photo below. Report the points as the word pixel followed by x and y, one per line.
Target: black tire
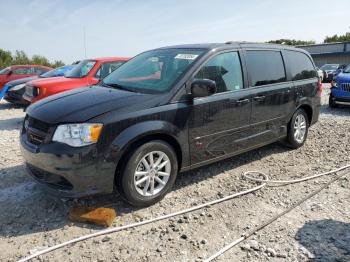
pixel 291 140
pixel 126 185
pixel 331 102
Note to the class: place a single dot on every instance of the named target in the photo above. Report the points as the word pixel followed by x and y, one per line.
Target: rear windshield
pixel 329 67
pixel 82 69
pixel 154 71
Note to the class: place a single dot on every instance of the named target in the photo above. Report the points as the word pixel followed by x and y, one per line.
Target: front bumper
pixel 339 95
pixel 67 171
pixel 16 97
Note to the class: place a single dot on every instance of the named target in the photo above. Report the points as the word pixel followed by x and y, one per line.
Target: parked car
pixel 20 71
pixel 338 71
pixel 86 72
pixel 166 111
pixel 329 71
pixel 320 73
pixel 340 90
pixel 16 88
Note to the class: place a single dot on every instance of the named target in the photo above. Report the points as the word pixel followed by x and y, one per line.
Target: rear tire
pixel 298 128
pixel 331 102
pixel 149 174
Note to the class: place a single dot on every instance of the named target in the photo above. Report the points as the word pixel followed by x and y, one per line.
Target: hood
pixel 57 81
pixel 22 80
pixel 343 78
pixel 82 104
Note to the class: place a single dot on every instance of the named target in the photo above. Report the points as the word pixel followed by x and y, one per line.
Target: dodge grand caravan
pixel 166 111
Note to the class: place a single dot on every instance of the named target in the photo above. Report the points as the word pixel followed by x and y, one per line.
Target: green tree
pixel 20 58
pixel 5 58
pixel 337 38
pixel 292 42
pixel 40 60
pixel 57 63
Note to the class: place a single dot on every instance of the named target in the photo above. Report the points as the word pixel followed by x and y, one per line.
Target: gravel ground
pixel 318 230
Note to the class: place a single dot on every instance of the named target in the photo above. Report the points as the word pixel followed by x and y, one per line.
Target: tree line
pixel 328 39
pixel 20 58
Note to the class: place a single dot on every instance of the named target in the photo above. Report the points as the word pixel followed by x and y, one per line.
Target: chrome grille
pixel 345 87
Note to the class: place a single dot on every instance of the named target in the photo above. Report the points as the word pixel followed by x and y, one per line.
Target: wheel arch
pixel 143 133
pixel 308 110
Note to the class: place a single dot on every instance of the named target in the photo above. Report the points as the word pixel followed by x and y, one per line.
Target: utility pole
pixel 85 42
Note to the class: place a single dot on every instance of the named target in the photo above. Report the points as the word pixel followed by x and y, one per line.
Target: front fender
pixel 141 130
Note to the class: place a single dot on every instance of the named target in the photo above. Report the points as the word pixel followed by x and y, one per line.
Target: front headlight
pixel 77 135
pixel 17 87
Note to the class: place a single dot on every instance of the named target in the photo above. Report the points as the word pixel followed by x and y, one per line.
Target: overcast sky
pixel 55 28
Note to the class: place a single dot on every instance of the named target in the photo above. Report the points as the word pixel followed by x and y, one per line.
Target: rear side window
pixel 265 67
pixel 225 69
pixel 39 71
pixel 300 65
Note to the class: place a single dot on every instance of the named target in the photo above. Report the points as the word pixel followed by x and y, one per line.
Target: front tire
pixel 298 128
pixel 149 174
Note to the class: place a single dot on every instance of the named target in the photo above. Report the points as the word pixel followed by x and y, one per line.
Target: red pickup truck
pixel 87 72
pixel 20 71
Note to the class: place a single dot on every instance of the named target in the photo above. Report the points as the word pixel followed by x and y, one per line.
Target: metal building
pixel 332 53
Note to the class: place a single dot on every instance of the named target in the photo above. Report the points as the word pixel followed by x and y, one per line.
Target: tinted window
pixel 300 65
pixel 265 67
pixel 22 71
pixel 225 69
pixel 107 68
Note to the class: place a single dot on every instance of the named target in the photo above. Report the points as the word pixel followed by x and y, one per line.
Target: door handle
pixel 259 98
pixel 242 101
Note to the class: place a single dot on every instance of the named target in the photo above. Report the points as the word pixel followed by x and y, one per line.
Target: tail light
pixel 319 90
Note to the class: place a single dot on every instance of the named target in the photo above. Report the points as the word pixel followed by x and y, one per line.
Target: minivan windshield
pixel 329 67
pixel 81 70
pixel 347 69
pixel 153 71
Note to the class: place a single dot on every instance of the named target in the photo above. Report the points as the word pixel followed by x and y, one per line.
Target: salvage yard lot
pixel 319 228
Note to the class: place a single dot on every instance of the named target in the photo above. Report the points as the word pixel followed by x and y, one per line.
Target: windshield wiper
pixel 117 86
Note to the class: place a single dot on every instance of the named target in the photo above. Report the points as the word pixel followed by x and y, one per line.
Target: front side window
pixel 300 65
pixel 81 70
pixel 4 71
pixel 225 69
pixel 265 67
pixel 107 68
pixel 154 71
pixel 22 71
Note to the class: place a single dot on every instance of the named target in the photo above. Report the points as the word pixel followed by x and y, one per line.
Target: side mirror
pixel 9 73
pixel 203 87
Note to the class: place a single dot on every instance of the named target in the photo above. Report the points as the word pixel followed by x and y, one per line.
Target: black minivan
pixel 166 111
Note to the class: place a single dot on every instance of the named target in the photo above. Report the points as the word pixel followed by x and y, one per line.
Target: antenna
pixel 84 41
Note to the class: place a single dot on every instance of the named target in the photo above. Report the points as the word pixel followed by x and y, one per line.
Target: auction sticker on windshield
pixel 186 56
